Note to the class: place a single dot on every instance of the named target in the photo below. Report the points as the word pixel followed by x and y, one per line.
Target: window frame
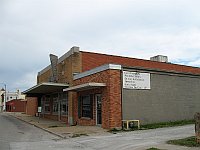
pixel 47 105
pixel 55 106
pixel 86 109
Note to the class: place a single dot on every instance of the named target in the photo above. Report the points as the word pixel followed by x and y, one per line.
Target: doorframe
pixel 96 108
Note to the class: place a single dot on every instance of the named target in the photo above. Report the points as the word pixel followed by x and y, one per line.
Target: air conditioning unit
pixel 159 58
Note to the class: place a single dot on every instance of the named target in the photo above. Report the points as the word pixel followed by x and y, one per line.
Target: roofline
pixel 77 49
pixel 83 51
pixel 120 67
pixel 73 50
pixel 97 69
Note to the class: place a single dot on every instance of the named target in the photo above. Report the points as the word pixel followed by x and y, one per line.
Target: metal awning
pixel 86 86
pixel 46 88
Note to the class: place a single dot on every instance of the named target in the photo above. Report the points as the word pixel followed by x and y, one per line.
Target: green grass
pixel 189 142
pixel 155 126
pixel 167 124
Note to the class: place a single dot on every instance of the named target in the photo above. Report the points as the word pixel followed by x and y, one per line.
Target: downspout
pixel 121 94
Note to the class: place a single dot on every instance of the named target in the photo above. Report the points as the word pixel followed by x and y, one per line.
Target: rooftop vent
pixel 159 58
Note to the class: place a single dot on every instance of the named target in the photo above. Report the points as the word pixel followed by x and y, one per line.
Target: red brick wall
pixel 111 98
pixel 55 117
pixel 86 121
pixel 31 106
pixel 15 106
pixel 93 60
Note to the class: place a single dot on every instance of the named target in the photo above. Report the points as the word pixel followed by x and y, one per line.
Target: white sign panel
pixel 39 109
pixel 136 80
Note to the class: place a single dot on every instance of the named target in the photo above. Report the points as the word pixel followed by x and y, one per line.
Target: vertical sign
pixel 54 61
pixel 136 80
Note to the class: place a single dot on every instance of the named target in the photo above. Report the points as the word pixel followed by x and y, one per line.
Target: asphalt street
pixel 18 135
pixel 13 132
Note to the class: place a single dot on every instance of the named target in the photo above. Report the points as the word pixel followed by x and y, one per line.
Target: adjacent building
pixel 2 99
pixel 14 95
pixel 15 101
pixel 6 96
pixel 84 88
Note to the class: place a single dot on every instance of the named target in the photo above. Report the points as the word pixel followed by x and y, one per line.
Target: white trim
pixel 98 69
pixel 45 83
pixel 86 85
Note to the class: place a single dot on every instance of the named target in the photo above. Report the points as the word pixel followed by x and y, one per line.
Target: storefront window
pixel 63 103
pixel 86 106
pixel 47 105
pixel 64 107
pixel 55 105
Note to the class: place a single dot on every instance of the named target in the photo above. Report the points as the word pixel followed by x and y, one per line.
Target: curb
pixel 44 129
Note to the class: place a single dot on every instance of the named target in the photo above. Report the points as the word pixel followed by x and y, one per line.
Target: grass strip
pixel 189 142
pixel 155 125
pixel 167 124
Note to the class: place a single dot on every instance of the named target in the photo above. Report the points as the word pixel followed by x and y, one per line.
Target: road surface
pixel 18 135
pixel 13 132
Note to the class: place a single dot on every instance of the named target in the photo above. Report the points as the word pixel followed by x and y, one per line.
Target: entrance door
pixel 98 109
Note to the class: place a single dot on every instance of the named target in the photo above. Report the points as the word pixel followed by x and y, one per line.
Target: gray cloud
pixel 31 30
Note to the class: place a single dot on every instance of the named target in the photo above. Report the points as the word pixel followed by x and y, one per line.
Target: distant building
pixel 14 95
pixel 2 99
pixel 16 105
pixel 9 96
pixel 84 88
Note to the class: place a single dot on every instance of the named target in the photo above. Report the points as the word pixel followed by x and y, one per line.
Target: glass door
pixel 98 98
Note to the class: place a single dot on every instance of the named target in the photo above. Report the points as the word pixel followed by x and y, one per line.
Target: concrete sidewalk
pixel 59 128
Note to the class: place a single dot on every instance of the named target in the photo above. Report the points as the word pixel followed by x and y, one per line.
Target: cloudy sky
pixel 32 29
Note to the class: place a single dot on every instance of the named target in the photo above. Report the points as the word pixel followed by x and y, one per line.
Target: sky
pixel 32 29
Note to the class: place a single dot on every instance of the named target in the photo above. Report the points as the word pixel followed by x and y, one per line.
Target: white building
pixel 9 96
pixel 2 99
pixel 14 95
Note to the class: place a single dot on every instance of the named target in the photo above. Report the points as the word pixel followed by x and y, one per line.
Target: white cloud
pixel 23 82
pixel 196 62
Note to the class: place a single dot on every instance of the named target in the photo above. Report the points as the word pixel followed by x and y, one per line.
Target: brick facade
pixel 93 60
pixel 31 105
pixel 16 106
pixel 111 98
pixel 81 61
pixel 66 68
pixel 55 117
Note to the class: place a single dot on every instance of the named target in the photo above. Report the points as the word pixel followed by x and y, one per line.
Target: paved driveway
pixel 138 139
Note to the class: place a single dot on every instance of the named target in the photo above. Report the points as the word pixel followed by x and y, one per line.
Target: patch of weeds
pixel 189 142
pixel 153 148
pixel 54 126
pixel 167 124
pixel 115 130
pixel 78 135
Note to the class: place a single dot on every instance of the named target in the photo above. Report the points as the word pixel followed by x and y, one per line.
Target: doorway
pixel 98 98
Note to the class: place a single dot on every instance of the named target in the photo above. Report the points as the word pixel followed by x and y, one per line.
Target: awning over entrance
pixel 86 86
pixel 45 88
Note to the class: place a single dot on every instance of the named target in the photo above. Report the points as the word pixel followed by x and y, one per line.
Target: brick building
pixel 87 88
pixel 16 105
